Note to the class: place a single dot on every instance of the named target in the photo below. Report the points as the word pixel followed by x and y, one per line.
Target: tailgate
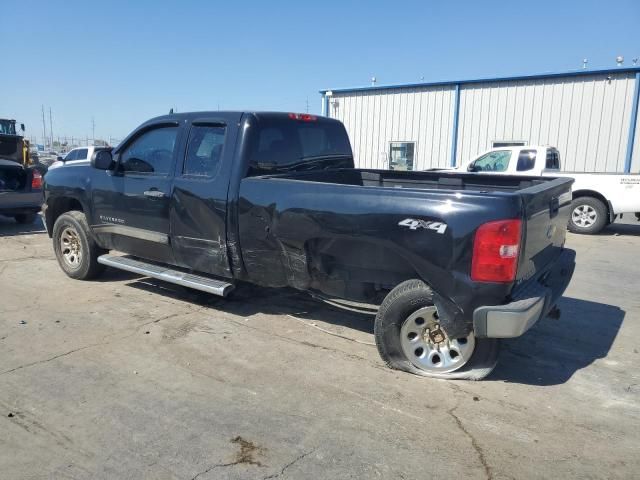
pixel 546 207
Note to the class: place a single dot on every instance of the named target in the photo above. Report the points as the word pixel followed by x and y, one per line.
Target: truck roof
pixel 228 113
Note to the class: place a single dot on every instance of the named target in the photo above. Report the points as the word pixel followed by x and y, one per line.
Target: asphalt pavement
pixel 131 378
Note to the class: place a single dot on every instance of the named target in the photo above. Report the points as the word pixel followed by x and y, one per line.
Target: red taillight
pixel 495 251
pixel 305 117
pixel 36 180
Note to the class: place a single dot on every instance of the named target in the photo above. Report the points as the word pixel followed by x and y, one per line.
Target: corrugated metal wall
pixel 587 117
pixel 635 159
pixel 420 115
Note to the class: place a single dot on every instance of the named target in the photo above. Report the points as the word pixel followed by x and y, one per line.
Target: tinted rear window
pixel 281 141
pixel 553 160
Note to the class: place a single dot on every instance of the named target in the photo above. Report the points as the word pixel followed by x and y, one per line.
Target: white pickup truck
pixel 598 198
pixel 76 156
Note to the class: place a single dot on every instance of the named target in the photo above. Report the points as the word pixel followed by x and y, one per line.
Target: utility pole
pixel 307 104
pixel 93 126
pixel 44 129
pixel 51 126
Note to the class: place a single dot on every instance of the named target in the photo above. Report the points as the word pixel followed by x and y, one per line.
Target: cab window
pixel 81 154
pixel 526 160
pixel 150 153
pixel 497 161
pixel 204 150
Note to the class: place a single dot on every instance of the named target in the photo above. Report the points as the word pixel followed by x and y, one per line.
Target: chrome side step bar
pixel 197 282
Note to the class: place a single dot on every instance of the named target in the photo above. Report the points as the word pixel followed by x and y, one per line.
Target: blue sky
pixel 123 62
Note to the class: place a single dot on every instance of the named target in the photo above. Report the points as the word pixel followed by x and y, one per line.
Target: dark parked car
pixel 452 262
pixel 21 192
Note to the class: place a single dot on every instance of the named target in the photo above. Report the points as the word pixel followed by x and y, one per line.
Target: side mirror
pixel 102 160
pixel 60 159
pixel 22 127
pixel 472 168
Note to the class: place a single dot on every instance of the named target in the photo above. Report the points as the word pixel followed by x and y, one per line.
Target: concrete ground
pixel 130 378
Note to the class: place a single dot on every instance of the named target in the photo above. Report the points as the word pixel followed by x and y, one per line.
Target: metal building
pixel 591 116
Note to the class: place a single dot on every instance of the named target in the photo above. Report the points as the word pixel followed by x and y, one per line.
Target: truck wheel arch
pixel 599 196
pixel 59 206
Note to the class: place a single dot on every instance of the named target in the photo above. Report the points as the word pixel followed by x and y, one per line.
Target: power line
pixel 51 127
pixel 44 127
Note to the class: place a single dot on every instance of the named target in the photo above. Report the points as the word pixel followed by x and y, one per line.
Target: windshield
pixel 290 143
pixel 7 127
pixel 496 161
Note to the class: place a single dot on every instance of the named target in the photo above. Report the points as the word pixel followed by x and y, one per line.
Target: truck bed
pixel 354 217
pixel 417 180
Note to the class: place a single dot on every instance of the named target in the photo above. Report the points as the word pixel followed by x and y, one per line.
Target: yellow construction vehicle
pixel 14 146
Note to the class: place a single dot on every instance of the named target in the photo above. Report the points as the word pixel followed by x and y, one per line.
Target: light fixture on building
pixel 584 63
pixel 619 60
pixel 373 81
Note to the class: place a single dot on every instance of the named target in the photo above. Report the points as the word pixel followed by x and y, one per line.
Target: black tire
pixel 591 206
pixel 26 218
pixel 87 266
pixel 398 305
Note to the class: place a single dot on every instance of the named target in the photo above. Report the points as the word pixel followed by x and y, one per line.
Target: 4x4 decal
pixel 414 224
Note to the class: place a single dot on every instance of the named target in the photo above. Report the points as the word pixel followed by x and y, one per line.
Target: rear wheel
pixel 75 249
pixel 409 337
pixel 588 215
pixel 24 218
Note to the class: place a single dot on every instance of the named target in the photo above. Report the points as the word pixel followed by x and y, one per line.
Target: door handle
pixel 154 193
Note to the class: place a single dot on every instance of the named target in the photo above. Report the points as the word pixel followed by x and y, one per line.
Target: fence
pixel 62 144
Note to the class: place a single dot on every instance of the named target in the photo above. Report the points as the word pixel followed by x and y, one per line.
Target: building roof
pixel 572 73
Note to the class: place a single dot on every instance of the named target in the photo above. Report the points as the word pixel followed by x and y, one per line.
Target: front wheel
pixel 75 249
pixel 588 215
pixel 410 337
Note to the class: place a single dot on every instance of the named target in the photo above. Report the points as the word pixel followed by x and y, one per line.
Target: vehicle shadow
pixel 247 300
pixel 9 227
pixel 627 229
pixel 548 354
pixel 553 350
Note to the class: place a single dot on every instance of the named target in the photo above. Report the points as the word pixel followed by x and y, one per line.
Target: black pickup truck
pixel 450 262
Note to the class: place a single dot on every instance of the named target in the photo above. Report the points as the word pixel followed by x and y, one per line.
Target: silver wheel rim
pixel 427 346
pixel 71 247
pixel 584 216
